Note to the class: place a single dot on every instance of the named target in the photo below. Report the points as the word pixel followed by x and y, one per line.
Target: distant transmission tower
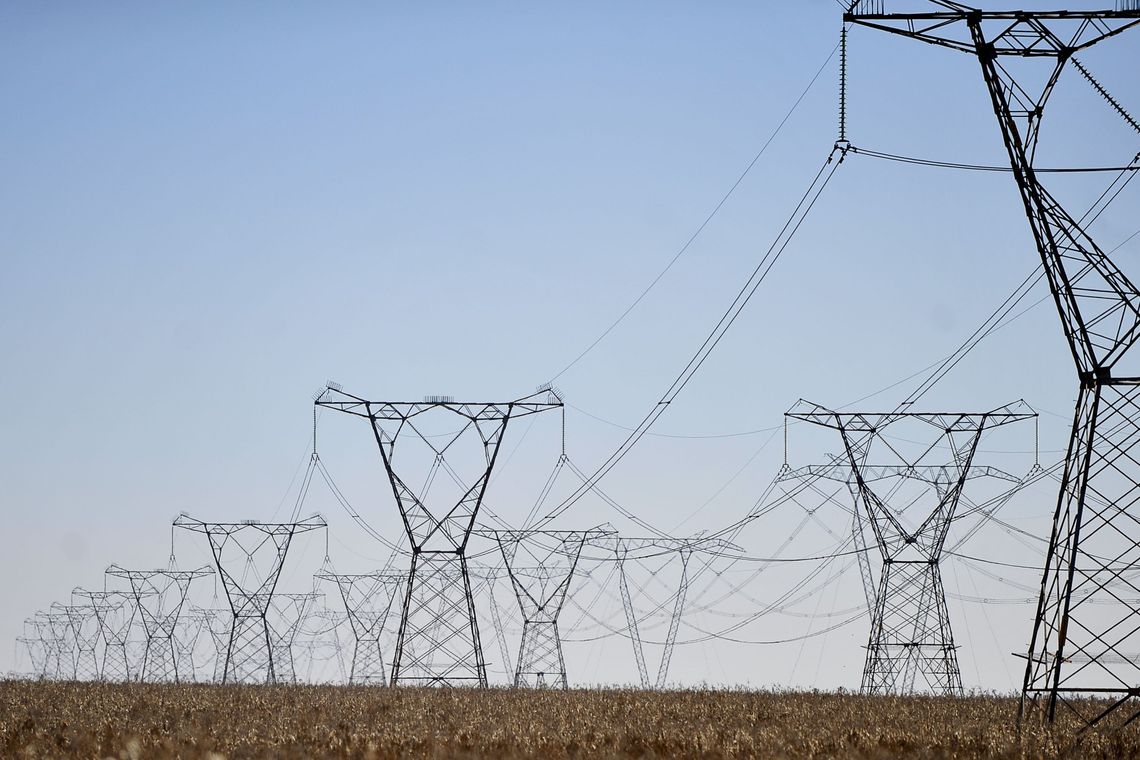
pixel 159 596
pixel 663 551
pixel 368 598
pixel 84 624
pixel 290 611
pixel 910 624
pixel 438 641
pixel 54 630
pixel 1085 637
pixel 540 576
pixel 249 557
pixel 35 639
pixel 115 613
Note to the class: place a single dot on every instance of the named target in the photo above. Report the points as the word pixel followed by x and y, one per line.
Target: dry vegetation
pixel 144 721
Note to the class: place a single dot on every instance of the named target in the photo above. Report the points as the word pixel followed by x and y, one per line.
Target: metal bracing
pixel 83 620
pixel 288 612
pixel 910 624
pixel 53 629
pixel 541 565
pixel 438 639
pixel 627 550
pixel 159 596
pixel 115 613
pixel 1086 621
pixel 218 623
pixel 367 598
pixel 249 557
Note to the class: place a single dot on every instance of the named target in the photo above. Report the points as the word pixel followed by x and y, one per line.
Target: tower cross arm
pixel 398 411
pixel 1019 33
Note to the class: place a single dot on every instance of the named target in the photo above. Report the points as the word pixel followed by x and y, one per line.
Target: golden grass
pixel 198 721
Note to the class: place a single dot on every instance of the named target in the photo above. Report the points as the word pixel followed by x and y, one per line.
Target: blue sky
pixel 210 210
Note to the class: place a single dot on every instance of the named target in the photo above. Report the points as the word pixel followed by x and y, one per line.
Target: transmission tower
pixel 35 639
pixel 289 613
pixel 115 614
pixel 159 596
pixel 540 576
pixel 910 624
pixel 54 630
pixel 628 551
pixel 368 598
pixel 438 641
pixel 218 623
pixel 249 557
pixel 1085 640
pixel 83 623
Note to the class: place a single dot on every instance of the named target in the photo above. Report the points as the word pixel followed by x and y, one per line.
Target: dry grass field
pixel 48 720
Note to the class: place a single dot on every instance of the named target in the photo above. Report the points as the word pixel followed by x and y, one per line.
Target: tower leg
pixel 910 633
pixel 367 663
pixel 438 641
pixel 249 657
pixel 540 656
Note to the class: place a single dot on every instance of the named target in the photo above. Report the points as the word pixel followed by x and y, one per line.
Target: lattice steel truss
pixel 159 596
pixel 249 557
pixel 115 612
pixel 910 624
pixel 438 641
pixel 83 620
pixel 368 598
pixel 541 565
pixel 1086 633
pixel 54 630
pixel 626 550
pixel 289 613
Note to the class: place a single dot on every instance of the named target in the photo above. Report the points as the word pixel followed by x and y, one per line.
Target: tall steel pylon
pixel 438 641
pixel 662 550
pixel 910 623
pixel 1085 638
pixel 53 629
pixel 368 599
pixel 115 612
pixel 249 557
pixel 540 576
pixel 289 612
pixel 83 620
pixel 159 596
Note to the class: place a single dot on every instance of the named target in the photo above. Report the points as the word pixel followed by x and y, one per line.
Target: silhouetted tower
pixel 115 613
pixel 368 598
pixel 438 641
pixel 1085 638
pixel 159 596
pixel 661 551
pixel 541 565
pixel 910 623
pixel 249 557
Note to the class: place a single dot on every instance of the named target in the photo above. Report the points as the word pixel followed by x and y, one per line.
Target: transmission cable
pixel 705 223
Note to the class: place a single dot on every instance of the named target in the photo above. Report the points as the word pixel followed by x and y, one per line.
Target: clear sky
pixel 209 210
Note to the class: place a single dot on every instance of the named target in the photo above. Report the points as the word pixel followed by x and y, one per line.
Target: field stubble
pixel 199 721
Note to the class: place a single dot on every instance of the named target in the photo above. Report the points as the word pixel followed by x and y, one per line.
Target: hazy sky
pixel 209 210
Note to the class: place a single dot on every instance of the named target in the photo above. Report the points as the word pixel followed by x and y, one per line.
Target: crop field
pixel 86 720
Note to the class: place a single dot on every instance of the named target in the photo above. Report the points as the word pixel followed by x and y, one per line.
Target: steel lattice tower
pixel 153 591
pixel 438 641
pixel 289 613
pixel 627 550
pixel 84 624
pixel 1085 635
pixel 115 612
pixel 252 651
pixel 540 578
pixel 368 598
pixel 910 624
